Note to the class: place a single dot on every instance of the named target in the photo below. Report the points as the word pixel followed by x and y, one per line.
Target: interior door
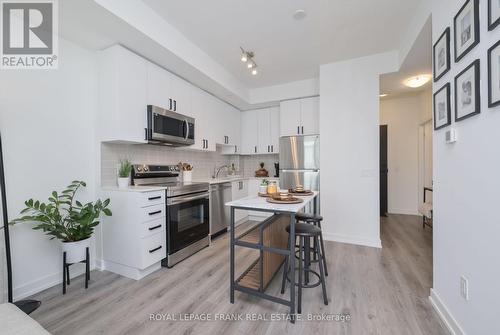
pixel 384 170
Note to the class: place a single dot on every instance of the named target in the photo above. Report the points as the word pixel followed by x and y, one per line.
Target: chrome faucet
pixel 217 170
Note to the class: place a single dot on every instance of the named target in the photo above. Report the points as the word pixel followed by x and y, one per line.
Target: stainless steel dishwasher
pixel 219 213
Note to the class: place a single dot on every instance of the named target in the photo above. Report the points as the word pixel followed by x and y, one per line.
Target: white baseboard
pixel 445 314
pixel 357 240
pixel 40 284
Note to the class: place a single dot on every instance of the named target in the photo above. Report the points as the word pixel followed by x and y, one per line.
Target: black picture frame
pixel 446 87
pixel 477 90
pixel 458 57
pixel 494 24
pixel 491 103
pixel 445 34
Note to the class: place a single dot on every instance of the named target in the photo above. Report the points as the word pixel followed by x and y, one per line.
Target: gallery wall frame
pixel 467 92
pixel 466 29
pixel 441 55
pixel 494 75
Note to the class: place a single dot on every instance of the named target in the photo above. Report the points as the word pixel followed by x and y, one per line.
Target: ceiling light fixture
pixel 417 81
pixel 299 14
pixel 247 57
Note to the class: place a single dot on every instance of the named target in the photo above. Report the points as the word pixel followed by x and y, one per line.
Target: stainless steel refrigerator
pixel 299 162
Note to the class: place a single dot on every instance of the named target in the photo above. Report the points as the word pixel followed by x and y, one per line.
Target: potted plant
pixel 66 219
pixel 124 173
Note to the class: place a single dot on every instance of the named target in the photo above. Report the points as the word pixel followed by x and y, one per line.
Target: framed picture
pixel 442 107
pixel 441 52
pixel 493 14
pixel 466 28
pixel 494 75
pixel 467 96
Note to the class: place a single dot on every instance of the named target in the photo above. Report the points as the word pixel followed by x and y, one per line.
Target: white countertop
pixel 260 203
pixel 140 189
pixel 230 179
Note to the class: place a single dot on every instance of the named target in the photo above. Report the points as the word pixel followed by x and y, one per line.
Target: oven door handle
pixel 181 200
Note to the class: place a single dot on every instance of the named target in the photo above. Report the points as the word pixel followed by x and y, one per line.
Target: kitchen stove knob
pixel 139 169
pixel 146 169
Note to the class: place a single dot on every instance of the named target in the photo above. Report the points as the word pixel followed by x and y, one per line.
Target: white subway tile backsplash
pixel 203 162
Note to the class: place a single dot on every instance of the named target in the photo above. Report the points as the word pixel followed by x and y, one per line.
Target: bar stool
pixel 314 219
pixel 305 232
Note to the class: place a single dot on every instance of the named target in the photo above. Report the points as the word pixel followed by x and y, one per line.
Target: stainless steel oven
pixel 167 127
pixel 187 225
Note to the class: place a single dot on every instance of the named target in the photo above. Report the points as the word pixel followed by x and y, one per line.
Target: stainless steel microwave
pixel 170 128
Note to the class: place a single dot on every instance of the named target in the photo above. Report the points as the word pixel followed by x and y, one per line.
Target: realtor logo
pixel 29 34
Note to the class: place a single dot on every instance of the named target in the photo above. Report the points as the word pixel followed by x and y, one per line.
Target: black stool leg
pixel 68 280
pixel 322 275
pixel 285 269
pixel 299 300
pixel 87 268
pixel 64 272
pixel 323 249
pixel 307 258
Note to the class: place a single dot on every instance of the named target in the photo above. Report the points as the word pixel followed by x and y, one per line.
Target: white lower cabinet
pixel 239 190
pixel 134 237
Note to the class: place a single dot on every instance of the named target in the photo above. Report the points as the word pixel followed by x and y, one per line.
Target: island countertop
pixel 261 203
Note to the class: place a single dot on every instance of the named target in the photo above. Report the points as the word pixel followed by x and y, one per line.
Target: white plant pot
pixel 187 176
pixel 76 251
pixel 263 189
pixel 123 182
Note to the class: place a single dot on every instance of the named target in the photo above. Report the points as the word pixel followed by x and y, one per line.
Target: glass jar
pixel 272 187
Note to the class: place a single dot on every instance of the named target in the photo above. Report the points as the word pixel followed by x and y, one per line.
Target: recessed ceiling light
pixel 383 95
pixel 418 81
pixel 299 14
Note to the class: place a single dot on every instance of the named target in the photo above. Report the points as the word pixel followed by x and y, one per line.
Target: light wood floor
pixel 384 291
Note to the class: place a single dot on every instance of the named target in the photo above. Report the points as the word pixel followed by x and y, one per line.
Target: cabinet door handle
pixel 154 213
pixel 302 130
pixel 272 148
pixel 268 149
pixel 155 249
pixel 235 149
pixel 155 198
pixel 207 144
pixel 155 227
pixel 298 129
pixel 255 149
pixel 175 105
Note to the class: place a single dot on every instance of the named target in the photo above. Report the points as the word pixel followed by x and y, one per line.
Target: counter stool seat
pixel 308 217
pixel 304 229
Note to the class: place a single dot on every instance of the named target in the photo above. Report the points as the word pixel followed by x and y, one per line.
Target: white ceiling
pixel 418 61
pixel 288 50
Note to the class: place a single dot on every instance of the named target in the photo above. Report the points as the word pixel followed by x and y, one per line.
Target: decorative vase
pixel 75 251
pixel 263 189
pixel 123 182
pixel 187 176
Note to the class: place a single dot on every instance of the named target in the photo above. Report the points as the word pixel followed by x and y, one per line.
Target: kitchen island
pixel 267 238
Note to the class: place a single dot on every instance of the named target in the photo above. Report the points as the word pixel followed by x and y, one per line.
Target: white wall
pixel 466 196
pixel 349 127
pixel 47 125
pixel 402 116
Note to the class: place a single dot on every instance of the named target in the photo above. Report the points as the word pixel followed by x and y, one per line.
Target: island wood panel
pixel 273 235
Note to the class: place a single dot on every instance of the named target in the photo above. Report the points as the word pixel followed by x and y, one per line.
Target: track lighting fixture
pixel 247 57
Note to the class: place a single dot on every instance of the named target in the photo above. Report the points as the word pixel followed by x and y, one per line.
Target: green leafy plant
pixel 125 168
pixel 264 182
pixel 64 217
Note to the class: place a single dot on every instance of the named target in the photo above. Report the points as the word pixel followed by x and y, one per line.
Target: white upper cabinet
pixel 249 132
pixel 309 116
pixel 122 96
pixel 274 121
pixel 159 86
pixel 260 131
pixel 299 117
pixel 202 111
